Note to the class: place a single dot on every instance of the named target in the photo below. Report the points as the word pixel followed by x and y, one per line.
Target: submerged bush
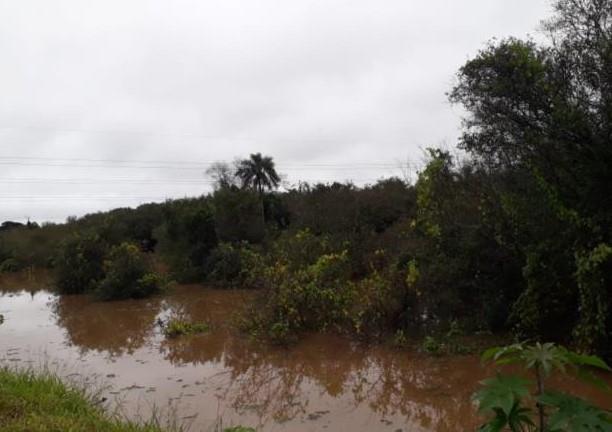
pixel 235 266
pixel 187 238
pixel 79 265
pixel 317 297
pixel 180 327
pixel 128 274
pixel 10 265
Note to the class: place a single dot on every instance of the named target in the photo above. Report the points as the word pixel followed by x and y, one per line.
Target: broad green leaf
pixel 589 377
pixel 574 415
pixel 501 392
pixel 496 424
pixel 588 360
pixel 489 353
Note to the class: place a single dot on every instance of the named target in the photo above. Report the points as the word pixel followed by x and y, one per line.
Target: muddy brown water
pixel 323 383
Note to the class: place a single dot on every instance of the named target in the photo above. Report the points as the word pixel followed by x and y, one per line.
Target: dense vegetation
pixel 514 237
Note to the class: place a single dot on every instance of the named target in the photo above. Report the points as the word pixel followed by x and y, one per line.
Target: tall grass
pixel 40 401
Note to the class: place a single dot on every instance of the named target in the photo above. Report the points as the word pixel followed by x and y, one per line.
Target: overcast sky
pixel 111 103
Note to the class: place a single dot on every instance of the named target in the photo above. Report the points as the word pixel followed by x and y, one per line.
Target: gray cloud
pixel 338 82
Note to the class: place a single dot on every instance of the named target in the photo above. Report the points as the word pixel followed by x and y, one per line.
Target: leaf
pixel 501 392
pixel 496 424
pixel 574 415
pixel 489 354
pixel 588 360
pixel 519 417
pixel 503 355
pixel 589 377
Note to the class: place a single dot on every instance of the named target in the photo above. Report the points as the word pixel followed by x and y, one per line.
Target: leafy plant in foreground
pixel 507 398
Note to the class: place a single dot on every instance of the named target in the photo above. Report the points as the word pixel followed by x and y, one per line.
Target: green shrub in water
pixel 316 297
pixel 179 327
pixel 10 265
pixel 79 264
pixel 128 274
pixel 236 265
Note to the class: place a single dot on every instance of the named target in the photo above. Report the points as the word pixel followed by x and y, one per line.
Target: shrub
pixel 239 215
pixel 187 237
pixel 127 274
pixel 180 327
pixel 10 265
pixel 224 265
pixel 317 297
pixel 235 266
pixel 79 265
pixel 376 306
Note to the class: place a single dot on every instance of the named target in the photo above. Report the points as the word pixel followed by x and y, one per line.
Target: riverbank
pixel 35 402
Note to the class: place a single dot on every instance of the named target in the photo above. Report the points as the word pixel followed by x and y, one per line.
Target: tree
pixel 222 174
pixel 540 117
pixel 258 172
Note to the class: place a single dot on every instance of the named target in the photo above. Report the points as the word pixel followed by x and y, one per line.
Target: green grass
pixel 177 327
pixel 41 402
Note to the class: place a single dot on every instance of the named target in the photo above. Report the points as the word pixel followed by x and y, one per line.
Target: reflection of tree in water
pixel 116 327
pixel 30 281
pixel 277 384
pixel 432 393
pixel 215 308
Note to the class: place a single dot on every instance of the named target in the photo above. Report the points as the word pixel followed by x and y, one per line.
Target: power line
pixel 204 166
pixel 204 163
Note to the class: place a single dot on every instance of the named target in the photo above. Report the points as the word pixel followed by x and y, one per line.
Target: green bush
pixel 239 215
pixel 10 265
pixel 79 265
pixel 317 297
pixel 377 304
pixel 180 327
pixel 127 274
pixel 235 266
pixel 187 237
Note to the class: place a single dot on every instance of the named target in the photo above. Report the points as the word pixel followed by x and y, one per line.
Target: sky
pixel 107 103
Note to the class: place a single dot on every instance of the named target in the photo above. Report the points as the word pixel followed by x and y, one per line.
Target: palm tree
pixel 258 172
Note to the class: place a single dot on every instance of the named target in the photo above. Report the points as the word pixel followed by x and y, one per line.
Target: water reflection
pixel 325 381
pixel 116 328
pixel 32 282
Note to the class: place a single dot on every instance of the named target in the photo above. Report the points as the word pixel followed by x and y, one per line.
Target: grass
pixel 41 402
pixel 178 327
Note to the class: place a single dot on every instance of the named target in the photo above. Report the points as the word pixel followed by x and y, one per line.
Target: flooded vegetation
pixel 324 381
pixel 328 304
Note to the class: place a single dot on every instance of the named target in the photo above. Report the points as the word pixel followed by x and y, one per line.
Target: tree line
pixel 516 237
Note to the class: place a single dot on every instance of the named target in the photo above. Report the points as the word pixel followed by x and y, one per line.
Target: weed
pixel 176 327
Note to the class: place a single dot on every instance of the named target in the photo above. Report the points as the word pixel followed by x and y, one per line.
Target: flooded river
pixel 323 383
